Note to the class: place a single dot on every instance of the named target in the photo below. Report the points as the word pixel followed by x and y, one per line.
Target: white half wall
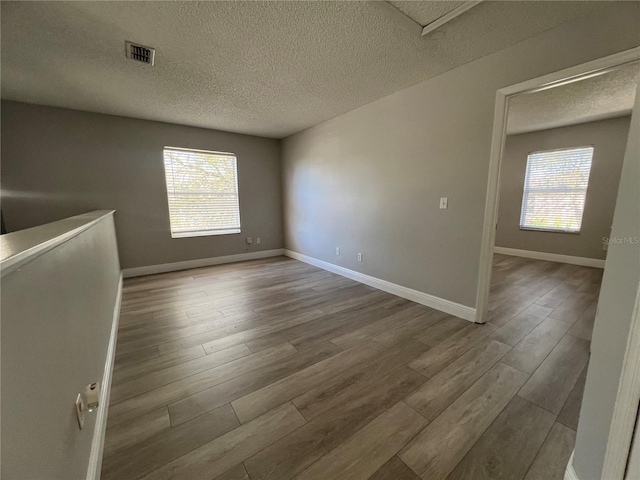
pixel 60 307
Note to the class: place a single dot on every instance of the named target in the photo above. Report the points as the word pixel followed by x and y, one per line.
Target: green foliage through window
pixel 202 189
pixel 555 189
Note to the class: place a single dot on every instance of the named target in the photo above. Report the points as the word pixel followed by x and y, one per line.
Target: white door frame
pixel 625 412
pixel 551 80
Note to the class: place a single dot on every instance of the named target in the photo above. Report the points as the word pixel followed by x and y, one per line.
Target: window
pixel 202 188
pixel 555 188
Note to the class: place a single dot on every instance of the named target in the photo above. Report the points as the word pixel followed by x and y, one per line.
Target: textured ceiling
pixel 266 68
pixel 605 96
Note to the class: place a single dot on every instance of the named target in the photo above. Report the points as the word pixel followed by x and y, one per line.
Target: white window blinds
pixel 555 188
pixel 202 188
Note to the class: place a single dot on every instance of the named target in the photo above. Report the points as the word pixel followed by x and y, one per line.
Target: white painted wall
pixel 616 304
pixel 370 180
pixel 57 319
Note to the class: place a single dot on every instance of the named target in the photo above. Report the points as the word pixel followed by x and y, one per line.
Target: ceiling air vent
pixel 140 53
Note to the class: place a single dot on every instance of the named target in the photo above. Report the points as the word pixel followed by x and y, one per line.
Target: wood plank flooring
pixel 274 369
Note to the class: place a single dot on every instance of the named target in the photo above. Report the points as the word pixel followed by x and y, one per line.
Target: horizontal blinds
pixel 555 189
pixel 202 189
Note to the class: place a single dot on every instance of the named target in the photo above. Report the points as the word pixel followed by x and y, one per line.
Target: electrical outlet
pixel 337 250
pixel 444 202
pixel 249 240
pixel 258 240
pixel 359 257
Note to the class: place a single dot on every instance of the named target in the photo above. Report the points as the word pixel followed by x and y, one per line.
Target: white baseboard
pixel 551 257
pixel 97 443
pixel 452 308
pixel 201 262
pixel 570 473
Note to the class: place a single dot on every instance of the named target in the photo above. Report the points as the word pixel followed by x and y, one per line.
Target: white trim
pixel 625 410
pixel 491 208
pixel 430 27
pixel 497 145
pixel 210 152
pixel 200 262
pixel 573 74
pixel 205 233
pixel 97 443
pixel 405 21
pixel 570 472
pixel 551 257
pixel 452 308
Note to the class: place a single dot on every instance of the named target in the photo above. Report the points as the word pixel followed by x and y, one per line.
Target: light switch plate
pixel 444 202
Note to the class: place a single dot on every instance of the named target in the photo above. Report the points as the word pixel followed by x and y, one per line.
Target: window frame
pixel 201 232
pixel 524 192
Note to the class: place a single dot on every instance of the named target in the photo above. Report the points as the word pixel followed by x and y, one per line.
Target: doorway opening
pixel 551 198
pixel 525 96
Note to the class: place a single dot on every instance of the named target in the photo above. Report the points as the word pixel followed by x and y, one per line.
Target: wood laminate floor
pixel 276 369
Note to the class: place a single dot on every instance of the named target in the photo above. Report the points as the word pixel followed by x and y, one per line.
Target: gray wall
pixel 57 317
pixel 620 285
pixel 370 180
pixel 57 163
pixel 609 139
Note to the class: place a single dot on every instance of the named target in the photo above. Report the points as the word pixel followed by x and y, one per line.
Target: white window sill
pixel 205 233
pixel 550 230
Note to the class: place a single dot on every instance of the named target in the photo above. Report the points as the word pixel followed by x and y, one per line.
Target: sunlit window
pixel 555 189
pixel 202 188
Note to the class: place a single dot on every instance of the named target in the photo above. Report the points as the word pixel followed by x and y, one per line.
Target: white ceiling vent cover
pixel 140 53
